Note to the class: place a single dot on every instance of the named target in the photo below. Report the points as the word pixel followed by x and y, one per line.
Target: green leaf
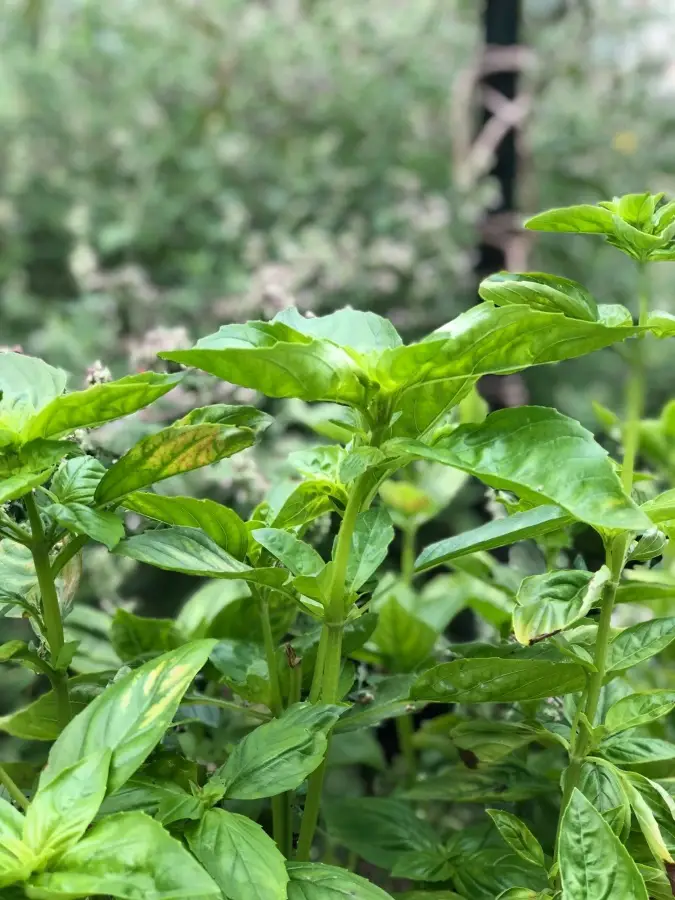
pixel 518 836
pixel 358 461
pixel 16 860
pixel 130 716
pixel 244 669
pixel 35 456
pixel 646 797
pixel 279 755
pixel 509 782
pixel 26 385
pixel 629 750
pixel 102 527
pixel 521 526
pixel 17 485
pixel 128 855
pixel 638 709
pixel 39 721
pixel 601 784
pixel 100 403
pixel 278 361
pixel 486 874
pixel 238 618
pixel 593 862
pixel 662 508
pixel 434 375
pixel 640 642
pixel 243 861
pixel 555 601
pixel 548 293
pixel 315 881
pixel 540 455
pixel 166 800
pixel 424 865
pixel 403 638
pixel 497 680
pixel 305 502
pixel 169 452
pixel 219 522
pixel 581 219
pixel 370 541
pixel 64 807
pixel 194 553
pixel 350 328
pixel 296 555
pixel 135 637
pixel 429 895
pixel 491 741
pixel 77 479
pixel 388 699
pixel 378 829
pixel 226 414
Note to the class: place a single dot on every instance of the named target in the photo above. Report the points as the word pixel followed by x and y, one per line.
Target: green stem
pixel 328 679
pixel 408 553
pixel 51 611
pixel 405 730
pixel 12 789
pixel 615 558
pixel 319 665
pixel 635 391
pixel 280 814
pixel 64 556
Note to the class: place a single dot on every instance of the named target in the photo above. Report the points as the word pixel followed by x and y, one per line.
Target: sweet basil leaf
pixel 640 642
pixel 497 680
pixel 521 526
pixel 135 637
pixel 638 709
pixel 593 862
pixel 125 855
pixel 219 522
pixel 278 361
pixel 16 860
pixel 352 328
pixel 279 755
pixel 647 799
pixel 130 716
pixel 555 601
pixel 101 526
pixel 169 452
pixel 190 551
pixel 298 557
pixel 581 219
pixel 304 503
pixel 372 535
pixel 491 741
pixel 400 636
pixel 388 699
pixel 548 293
pixel 98 404
pixel 65 806
pixel 315 881
pixel 378 829
pixel 508 782
pixel 243 861
pixel 628 750
pixel 518 836
pixel 540 455
pixel 17 485
pixel 39 721
pixel 77 479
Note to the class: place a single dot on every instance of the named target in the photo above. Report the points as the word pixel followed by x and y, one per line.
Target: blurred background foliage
pixel 168 166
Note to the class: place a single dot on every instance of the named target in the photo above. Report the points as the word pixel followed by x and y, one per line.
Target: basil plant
pixel 198 761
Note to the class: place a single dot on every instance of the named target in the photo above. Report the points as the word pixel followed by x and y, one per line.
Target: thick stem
pixel 14 792
pixel 51 611
pixel 319 665
pixel 615 558
pixel 405 730
pixel 329 676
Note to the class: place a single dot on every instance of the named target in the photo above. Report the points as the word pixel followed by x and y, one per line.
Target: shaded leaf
pixel 403 638
pixel 300 558
pixel 134 637
pixel 497 680
pixel 518 836
pixel 77 479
